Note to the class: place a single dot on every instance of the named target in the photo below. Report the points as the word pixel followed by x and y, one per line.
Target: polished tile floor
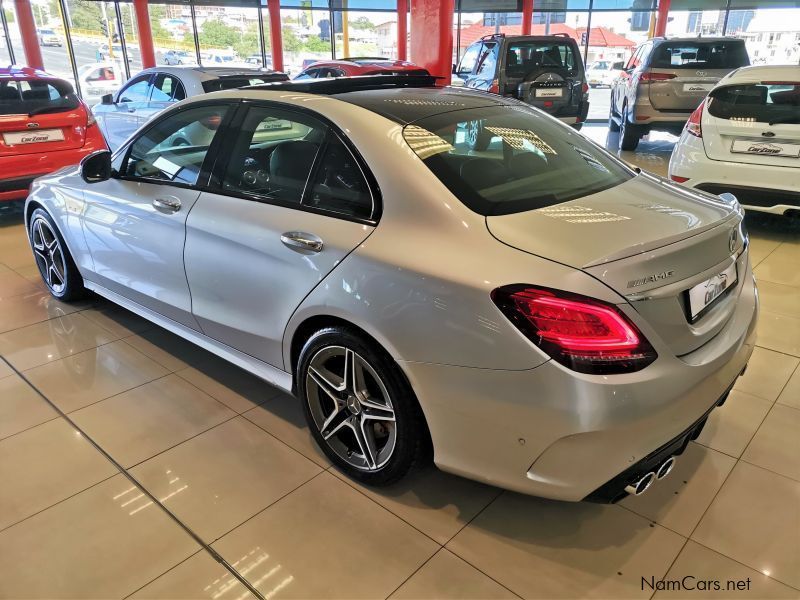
pixel 219 482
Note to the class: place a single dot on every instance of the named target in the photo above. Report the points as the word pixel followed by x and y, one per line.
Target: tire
pixel 629 133
pixel 336 408
pixel 613 126
pixel 53 259
pixel 477 137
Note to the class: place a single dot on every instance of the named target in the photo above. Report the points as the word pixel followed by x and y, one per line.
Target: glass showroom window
pixel 10 44
pixel 228 35
pixel 306 37
pixel 365 34
pixel 472 26
pixel 772 35
pixel 50 34
pixel 173 34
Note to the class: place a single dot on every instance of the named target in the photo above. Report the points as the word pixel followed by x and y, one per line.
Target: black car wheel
pixel 629 133
pixel 359 406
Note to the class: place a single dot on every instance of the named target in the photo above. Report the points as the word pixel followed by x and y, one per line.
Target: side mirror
pixel 96 167
pixel 107 99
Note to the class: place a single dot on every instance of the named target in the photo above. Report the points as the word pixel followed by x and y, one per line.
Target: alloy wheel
pixel 351 407
pixel 49 255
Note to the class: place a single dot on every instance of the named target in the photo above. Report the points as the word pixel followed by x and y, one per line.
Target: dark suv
pixel 665 80
pixel 545 71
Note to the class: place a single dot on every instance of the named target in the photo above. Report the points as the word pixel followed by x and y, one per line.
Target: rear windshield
pixel 531 160
pixel 776 102
pixel 35 97
pixel 524 57
pixel 696 55
pixel 231 83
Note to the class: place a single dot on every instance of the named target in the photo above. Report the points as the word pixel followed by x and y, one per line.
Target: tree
pixel 216 34
pixel 362 23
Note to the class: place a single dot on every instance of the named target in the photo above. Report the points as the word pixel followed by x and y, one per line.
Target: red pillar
pixel 402 29
pixel 145 34
pixel 527 16
pixel 27 30
pixel 432 36
pixel 276 37
pixel 661 19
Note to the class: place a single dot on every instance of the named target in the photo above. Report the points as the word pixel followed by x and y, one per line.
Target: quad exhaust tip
pixel 637 488
pixel 665 468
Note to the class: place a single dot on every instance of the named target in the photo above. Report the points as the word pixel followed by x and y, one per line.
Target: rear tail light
pixel 495 86
pixel 649 76
pixel 583 334
pixel 585 88
pixel 90 120
pixel 678 178
pixel 693 124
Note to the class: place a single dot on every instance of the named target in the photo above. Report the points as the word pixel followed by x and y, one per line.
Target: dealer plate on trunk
pixel 549 92
pixel 705 294
pixel 765 148
pixel 698 87
pixel 33 137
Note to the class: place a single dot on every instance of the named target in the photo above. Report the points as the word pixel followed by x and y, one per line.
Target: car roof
pixel 366 62
pixel 697 39
pixel 759 73
pixel 202 74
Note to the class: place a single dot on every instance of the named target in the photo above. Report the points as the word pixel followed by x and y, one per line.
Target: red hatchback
pixel 44 126
pixel 348 67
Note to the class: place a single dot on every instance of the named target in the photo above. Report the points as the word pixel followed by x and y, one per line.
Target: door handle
pixel 168 204
pixel 302 241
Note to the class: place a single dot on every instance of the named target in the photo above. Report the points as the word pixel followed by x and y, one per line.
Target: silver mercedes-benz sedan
pixel 538 314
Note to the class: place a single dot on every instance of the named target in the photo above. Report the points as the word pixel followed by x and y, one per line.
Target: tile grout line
pixel 214 554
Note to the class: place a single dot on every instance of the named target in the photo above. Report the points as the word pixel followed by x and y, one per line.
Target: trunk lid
pixel 39 116
pixel 647 239
pixel 684 90
pixel 754 123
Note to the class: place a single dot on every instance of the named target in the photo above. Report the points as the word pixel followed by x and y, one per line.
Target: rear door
pixel 292 204
pixel 755 123
pixel 39 116
pixel 682 72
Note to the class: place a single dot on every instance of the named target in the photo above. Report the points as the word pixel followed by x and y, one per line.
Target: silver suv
pixel 664 82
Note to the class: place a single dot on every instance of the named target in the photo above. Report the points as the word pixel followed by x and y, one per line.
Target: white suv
pixel 745 139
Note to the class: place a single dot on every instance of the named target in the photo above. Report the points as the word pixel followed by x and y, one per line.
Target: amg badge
pixel 651 278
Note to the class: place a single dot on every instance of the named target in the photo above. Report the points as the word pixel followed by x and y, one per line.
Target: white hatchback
pixel 745 139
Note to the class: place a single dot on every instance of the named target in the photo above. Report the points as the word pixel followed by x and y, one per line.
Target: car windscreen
pixel 767 102
pixel 523 57
pixel 232 83
pixel 38 96
pixel 678 54
pixel 531 161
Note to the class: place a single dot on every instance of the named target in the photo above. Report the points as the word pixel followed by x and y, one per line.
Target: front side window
pixel 136 92
pixel 680 54
pixel 469 59
pixel 777 102
pixel 531 162
pixel 173 150
pixel 487 62
pixel 274 153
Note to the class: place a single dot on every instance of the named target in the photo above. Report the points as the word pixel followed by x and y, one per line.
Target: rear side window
pixel 729 54
pixel 167 88
pixel 36 97
pixel 338 185
pixel 775 102
pixel 530 161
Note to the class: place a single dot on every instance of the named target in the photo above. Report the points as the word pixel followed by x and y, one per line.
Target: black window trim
pixel 228 141
pixel 202 183
pixel 133 81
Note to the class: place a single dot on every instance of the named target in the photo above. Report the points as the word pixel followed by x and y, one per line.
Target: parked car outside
pixel 255 60
pixel 179 58
pixel 98 79
pixel 543 71
pixel 349 67
pixel 43 127
pixel 603 72
pixel 222 59
pixel 744 139
pixel 546 326
pixel 48 37
pixel 665 80
pixel 153 90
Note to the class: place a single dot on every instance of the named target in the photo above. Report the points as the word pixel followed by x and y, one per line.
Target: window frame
pixel 177 84
pixel 204 175
pixel 228 143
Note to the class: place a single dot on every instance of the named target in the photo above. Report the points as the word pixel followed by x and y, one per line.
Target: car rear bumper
pixel 762 188
pixel 19 171
pixel 559 434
